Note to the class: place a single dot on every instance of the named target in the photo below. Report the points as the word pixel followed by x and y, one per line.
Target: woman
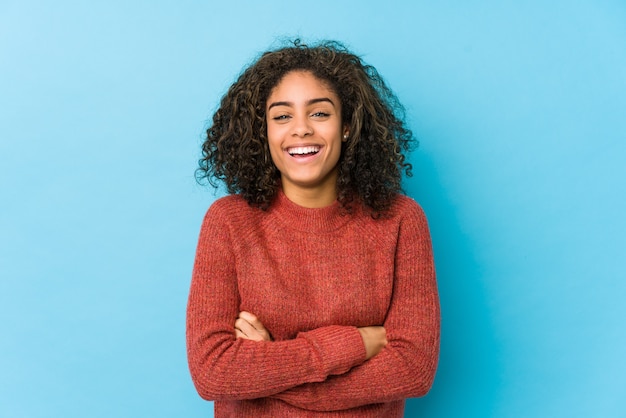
pixel 313 291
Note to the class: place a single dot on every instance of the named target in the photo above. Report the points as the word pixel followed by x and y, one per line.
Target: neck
pixel 314 197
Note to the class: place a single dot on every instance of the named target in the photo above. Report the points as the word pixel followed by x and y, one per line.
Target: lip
pixel 303 158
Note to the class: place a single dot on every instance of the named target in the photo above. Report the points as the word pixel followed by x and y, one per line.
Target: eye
pixel 280 117
pixel 320 115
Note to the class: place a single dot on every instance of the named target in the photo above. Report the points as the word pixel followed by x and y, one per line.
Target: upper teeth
pixel 303 150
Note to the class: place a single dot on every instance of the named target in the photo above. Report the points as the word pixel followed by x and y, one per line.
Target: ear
pixel 346 133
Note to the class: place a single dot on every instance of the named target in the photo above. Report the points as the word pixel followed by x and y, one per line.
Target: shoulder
pixel 230 209
pixel 409 216
pixel 228 203
pixel 402 207
pixel 404 216
pixel 405 207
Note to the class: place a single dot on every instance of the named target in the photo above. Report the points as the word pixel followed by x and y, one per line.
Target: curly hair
pixel 372 160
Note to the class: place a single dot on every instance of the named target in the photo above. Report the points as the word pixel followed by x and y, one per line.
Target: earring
pixel 345 136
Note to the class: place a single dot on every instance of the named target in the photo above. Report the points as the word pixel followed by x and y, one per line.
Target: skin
pixel 305 133
pixel 303 113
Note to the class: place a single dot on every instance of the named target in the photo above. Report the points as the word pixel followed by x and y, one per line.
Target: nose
pixel 302 126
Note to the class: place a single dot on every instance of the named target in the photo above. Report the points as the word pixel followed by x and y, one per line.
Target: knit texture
pixel 312 276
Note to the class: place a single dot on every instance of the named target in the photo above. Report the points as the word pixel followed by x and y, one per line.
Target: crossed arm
pixel 249 327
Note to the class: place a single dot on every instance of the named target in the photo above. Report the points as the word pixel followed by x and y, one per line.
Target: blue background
pixel 520 111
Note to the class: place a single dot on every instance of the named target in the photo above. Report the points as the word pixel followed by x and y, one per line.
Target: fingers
pixel 249 327
pixel 251 318
pixel 243 329
pixel 374 339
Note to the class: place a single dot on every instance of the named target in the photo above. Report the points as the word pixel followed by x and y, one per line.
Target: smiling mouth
pixel 303 151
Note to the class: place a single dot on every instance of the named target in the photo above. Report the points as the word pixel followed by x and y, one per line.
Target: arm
pixel 406 366
pixel 249 327
pixel 226 368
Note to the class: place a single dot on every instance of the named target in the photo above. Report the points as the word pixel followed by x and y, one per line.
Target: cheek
pixel 275 148
pixel 271 137
pixel 274 134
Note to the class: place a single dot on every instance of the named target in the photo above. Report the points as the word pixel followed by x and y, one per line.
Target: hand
pixel 248 327
pixel 374 338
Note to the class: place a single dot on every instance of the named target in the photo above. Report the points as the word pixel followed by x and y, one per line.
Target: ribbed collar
pixel 316 220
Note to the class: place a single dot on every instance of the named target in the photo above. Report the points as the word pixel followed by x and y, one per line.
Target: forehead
pixel 301 83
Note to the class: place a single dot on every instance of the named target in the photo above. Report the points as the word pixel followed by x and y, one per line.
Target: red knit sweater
pixel 312 276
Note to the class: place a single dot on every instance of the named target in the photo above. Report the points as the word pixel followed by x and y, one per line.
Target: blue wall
pixel 520 110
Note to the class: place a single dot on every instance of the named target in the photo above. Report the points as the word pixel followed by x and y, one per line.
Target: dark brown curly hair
pixel 372 160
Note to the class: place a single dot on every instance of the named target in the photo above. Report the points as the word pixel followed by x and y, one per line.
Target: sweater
pixel 312 276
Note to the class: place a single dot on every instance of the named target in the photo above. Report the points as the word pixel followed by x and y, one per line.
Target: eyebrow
pixel 308 103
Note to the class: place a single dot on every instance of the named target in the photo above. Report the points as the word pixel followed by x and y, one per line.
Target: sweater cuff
pixel 338 348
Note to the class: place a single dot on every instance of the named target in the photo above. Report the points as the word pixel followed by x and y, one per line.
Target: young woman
pixel 313 291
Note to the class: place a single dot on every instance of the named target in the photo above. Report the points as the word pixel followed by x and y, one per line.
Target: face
pixel 305 133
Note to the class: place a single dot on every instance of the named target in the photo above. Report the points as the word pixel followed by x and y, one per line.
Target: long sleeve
pixel 406 367
pixel 225 368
